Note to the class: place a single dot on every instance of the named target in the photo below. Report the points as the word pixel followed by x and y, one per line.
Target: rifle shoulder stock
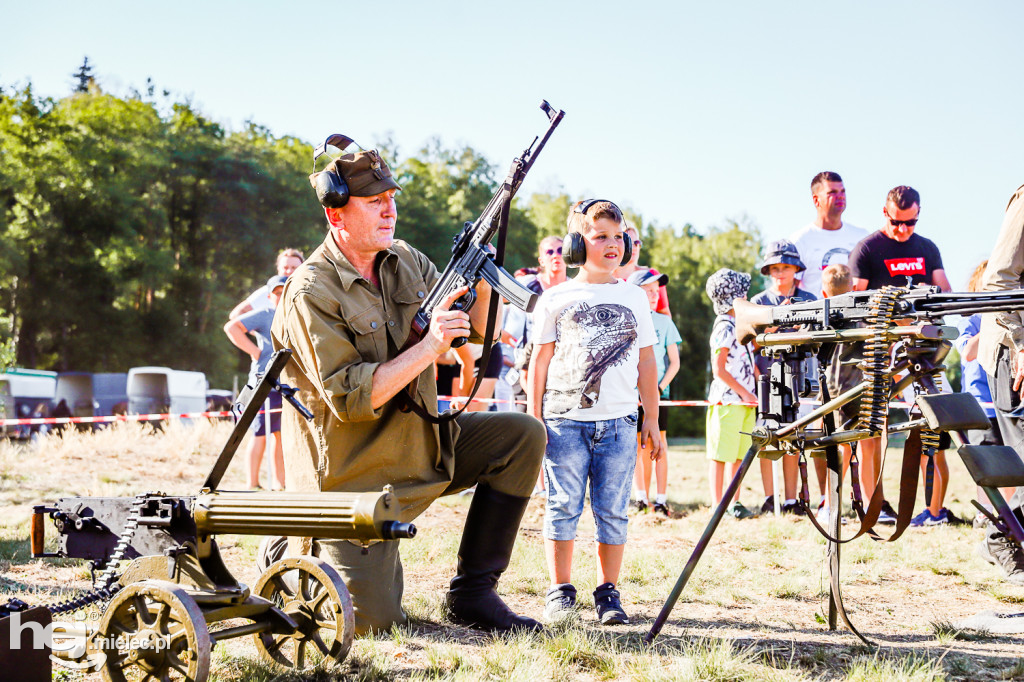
pixel 750 319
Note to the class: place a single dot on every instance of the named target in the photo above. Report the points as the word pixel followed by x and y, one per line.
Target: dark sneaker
pixel 738 511
pixel 952 518
pixel 660 508
pixel 887 517
pixel 640 506
pixel 560 602
pixel 609 608
pixel 769 506
pixel 925 518
pixel 792 508
pixel 1001 551
pixel 941 520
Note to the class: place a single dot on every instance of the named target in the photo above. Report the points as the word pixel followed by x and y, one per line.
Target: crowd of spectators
pixel 826 258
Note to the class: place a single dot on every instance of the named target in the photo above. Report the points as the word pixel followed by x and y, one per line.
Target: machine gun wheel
pixel 312 592
pixel 153 630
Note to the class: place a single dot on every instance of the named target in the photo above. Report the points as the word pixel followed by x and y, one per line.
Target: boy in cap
pixel 591 352
pixel 666 354
pixel 258 323
pixel 732 364
pixel 781 265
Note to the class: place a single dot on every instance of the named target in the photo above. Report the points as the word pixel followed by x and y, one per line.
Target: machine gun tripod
pixel 171 604
pixel 875 321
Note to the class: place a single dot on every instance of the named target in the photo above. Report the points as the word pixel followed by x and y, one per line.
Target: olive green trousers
pixel 502 450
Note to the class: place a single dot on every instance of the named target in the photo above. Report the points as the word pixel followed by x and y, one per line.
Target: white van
pixel 153 390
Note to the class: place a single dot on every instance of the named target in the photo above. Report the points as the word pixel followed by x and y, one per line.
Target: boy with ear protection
pixel 593 347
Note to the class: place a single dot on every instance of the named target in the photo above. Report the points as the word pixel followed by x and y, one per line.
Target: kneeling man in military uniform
pixel 345 314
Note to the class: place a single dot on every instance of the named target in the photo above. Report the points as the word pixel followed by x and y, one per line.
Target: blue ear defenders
pixel 574 247
pixel 331 188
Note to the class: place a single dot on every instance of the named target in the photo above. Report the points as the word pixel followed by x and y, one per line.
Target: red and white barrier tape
pixel 224 414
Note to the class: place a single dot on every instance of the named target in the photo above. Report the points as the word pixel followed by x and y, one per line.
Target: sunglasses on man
pixel 898 223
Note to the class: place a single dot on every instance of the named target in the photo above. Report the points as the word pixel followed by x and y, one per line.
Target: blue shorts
pixel 603 452
pixel 258 427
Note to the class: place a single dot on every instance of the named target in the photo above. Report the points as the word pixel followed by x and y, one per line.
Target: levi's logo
pixel 905 266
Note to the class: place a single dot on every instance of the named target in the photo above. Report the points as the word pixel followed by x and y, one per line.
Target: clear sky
pixel 685 111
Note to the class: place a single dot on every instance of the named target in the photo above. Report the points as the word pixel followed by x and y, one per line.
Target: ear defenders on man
pixel 574 247
pixel 331 188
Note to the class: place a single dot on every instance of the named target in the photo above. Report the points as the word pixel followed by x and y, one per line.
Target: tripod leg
pixel 702 543
pixel 835 499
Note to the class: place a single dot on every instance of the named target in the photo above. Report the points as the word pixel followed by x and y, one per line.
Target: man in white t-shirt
pixel 827 240
pixel 288 260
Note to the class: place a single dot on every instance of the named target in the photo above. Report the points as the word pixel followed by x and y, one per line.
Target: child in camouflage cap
pixel 732 365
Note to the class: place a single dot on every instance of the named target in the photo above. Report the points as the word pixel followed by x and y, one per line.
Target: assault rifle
pixel 890 357
pixel 472 260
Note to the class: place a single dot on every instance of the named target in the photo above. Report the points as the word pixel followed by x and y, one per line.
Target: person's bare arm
pixel 467 364
pixel 445 326
pixel 239 310
pixel 539 362
pixel 478 313
pixel 721 373
pixel 673 367
pixel 860 284
pixel 970 353
pixel 239 336
pixel 648 383
pixel 940 280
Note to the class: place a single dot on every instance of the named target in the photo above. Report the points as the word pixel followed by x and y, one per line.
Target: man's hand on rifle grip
pixel 1018 372
pixel 446 324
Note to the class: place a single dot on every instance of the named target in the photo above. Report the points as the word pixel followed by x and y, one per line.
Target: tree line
pixel 132 224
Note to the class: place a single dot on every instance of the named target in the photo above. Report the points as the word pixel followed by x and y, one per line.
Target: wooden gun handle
pixel 750 319
pixel 38 537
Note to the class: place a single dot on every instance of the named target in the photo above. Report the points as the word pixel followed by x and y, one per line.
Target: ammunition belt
pixel 874 404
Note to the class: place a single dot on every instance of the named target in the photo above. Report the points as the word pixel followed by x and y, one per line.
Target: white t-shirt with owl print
pixel 598 330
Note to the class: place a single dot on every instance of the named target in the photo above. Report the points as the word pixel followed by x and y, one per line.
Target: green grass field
pixel 755 608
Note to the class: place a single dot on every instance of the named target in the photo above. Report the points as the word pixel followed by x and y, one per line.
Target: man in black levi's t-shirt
pixel 888 257
pixel 893 253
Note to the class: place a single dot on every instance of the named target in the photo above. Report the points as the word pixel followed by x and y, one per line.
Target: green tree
pixel 688 258
pixel 441 190
pixel 84 77
pixel 128 235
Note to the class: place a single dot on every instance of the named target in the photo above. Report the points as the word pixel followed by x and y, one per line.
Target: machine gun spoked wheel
pixel 874 321
pixel 173 601
pixel 313 594
pixel 153 630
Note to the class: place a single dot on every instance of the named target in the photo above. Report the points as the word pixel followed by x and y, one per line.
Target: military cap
pixel 365 173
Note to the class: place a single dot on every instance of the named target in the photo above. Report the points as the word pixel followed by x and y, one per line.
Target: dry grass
pixel 754 609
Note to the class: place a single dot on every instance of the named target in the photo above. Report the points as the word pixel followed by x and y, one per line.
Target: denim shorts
pixel 603 452
pixel 258 426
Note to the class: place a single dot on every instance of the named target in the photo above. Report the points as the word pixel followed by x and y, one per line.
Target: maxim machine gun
pixel 176 597
pixel 895 338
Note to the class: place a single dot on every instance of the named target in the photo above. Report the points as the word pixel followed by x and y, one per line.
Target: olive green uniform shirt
pixel 1005 271
pixel 339 328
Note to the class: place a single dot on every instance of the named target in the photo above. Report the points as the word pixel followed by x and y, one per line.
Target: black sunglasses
pixel 897 223
pixel 552 252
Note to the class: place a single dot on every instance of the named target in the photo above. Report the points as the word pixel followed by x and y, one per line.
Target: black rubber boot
pixel 487 540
